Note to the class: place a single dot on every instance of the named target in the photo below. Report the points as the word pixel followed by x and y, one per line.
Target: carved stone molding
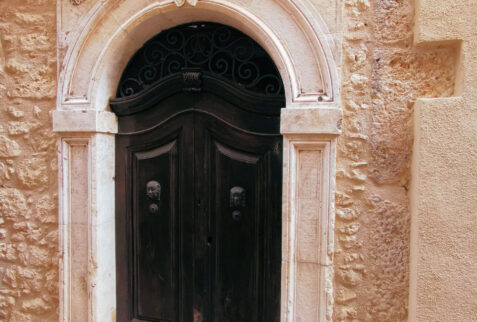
pixel 308 225
pixel 77 2
pixel 293 35
pixel 180 3
pixel 86 228
pixel 74 208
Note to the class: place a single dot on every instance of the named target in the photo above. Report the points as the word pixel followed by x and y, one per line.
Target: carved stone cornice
pixel 180 3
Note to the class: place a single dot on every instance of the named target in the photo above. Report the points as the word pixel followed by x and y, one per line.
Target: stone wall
pixel 28 162
pixel 383 74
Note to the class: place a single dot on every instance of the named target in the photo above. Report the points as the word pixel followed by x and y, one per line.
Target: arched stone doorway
pixel 198 179
pixel 91 61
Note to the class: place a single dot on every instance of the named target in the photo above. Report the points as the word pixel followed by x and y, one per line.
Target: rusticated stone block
pixel 344 295
pixel 20 317
pixel 37 306
pixel 46 210
pixel 19 128
pixel 32 173
pixel 9 148
pixel 2 58
pixel 13 205
pixel 346 214
pixel 39 256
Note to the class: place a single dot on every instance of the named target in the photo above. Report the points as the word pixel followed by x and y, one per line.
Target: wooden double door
pixel 198 228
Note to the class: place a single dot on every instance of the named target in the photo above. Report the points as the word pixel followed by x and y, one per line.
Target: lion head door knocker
pixel 237 200
pixel 153 192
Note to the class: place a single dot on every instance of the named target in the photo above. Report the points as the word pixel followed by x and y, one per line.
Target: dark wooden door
pixel 208 246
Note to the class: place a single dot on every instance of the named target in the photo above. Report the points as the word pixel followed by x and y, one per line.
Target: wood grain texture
pixel 193 260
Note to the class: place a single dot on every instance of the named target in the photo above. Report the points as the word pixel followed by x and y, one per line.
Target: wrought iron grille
pixel 210 47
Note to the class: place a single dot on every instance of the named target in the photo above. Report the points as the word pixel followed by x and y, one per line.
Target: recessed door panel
pixel 236 222
pixel 155 227
pixel 155 213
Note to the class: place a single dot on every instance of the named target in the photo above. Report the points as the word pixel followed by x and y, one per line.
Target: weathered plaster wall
pixel 28 162
pixel 383 74
pixel 444 170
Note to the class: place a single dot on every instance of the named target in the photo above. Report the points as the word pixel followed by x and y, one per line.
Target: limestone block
pixel 35 42
pixel 16 113
pixel 19 128
pixel 46 210
pixel 39 256
pixel 2 58
pixel 310 120
pixel 344 295
pixel 440 20
pixel 9 148
pixel 13 205
pixel 33 172
pixel 37 306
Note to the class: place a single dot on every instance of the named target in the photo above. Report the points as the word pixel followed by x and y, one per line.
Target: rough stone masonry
pixel 383 73
pixel 28 162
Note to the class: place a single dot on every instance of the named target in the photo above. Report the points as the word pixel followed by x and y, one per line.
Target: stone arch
pixel 91 60
pixel 112 33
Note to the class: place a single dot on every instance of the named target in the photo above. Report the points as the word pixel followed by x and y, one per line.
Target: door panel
pixel 237 229
pixel 232 158
pixel 154 247
pixel 209 249
pixel 155 227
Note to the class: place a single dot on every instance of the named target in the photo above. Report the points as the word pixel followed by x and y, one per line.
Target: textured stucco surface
pixel 444 170
pixel 28 162
pixel 383 74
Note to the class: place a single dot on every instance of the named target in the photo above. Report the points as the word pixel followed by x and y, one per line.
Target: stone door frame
pixel 91 60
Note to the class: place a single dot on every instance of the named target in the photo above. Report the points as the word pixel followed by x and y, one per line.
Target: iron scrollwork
pixel 208 47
